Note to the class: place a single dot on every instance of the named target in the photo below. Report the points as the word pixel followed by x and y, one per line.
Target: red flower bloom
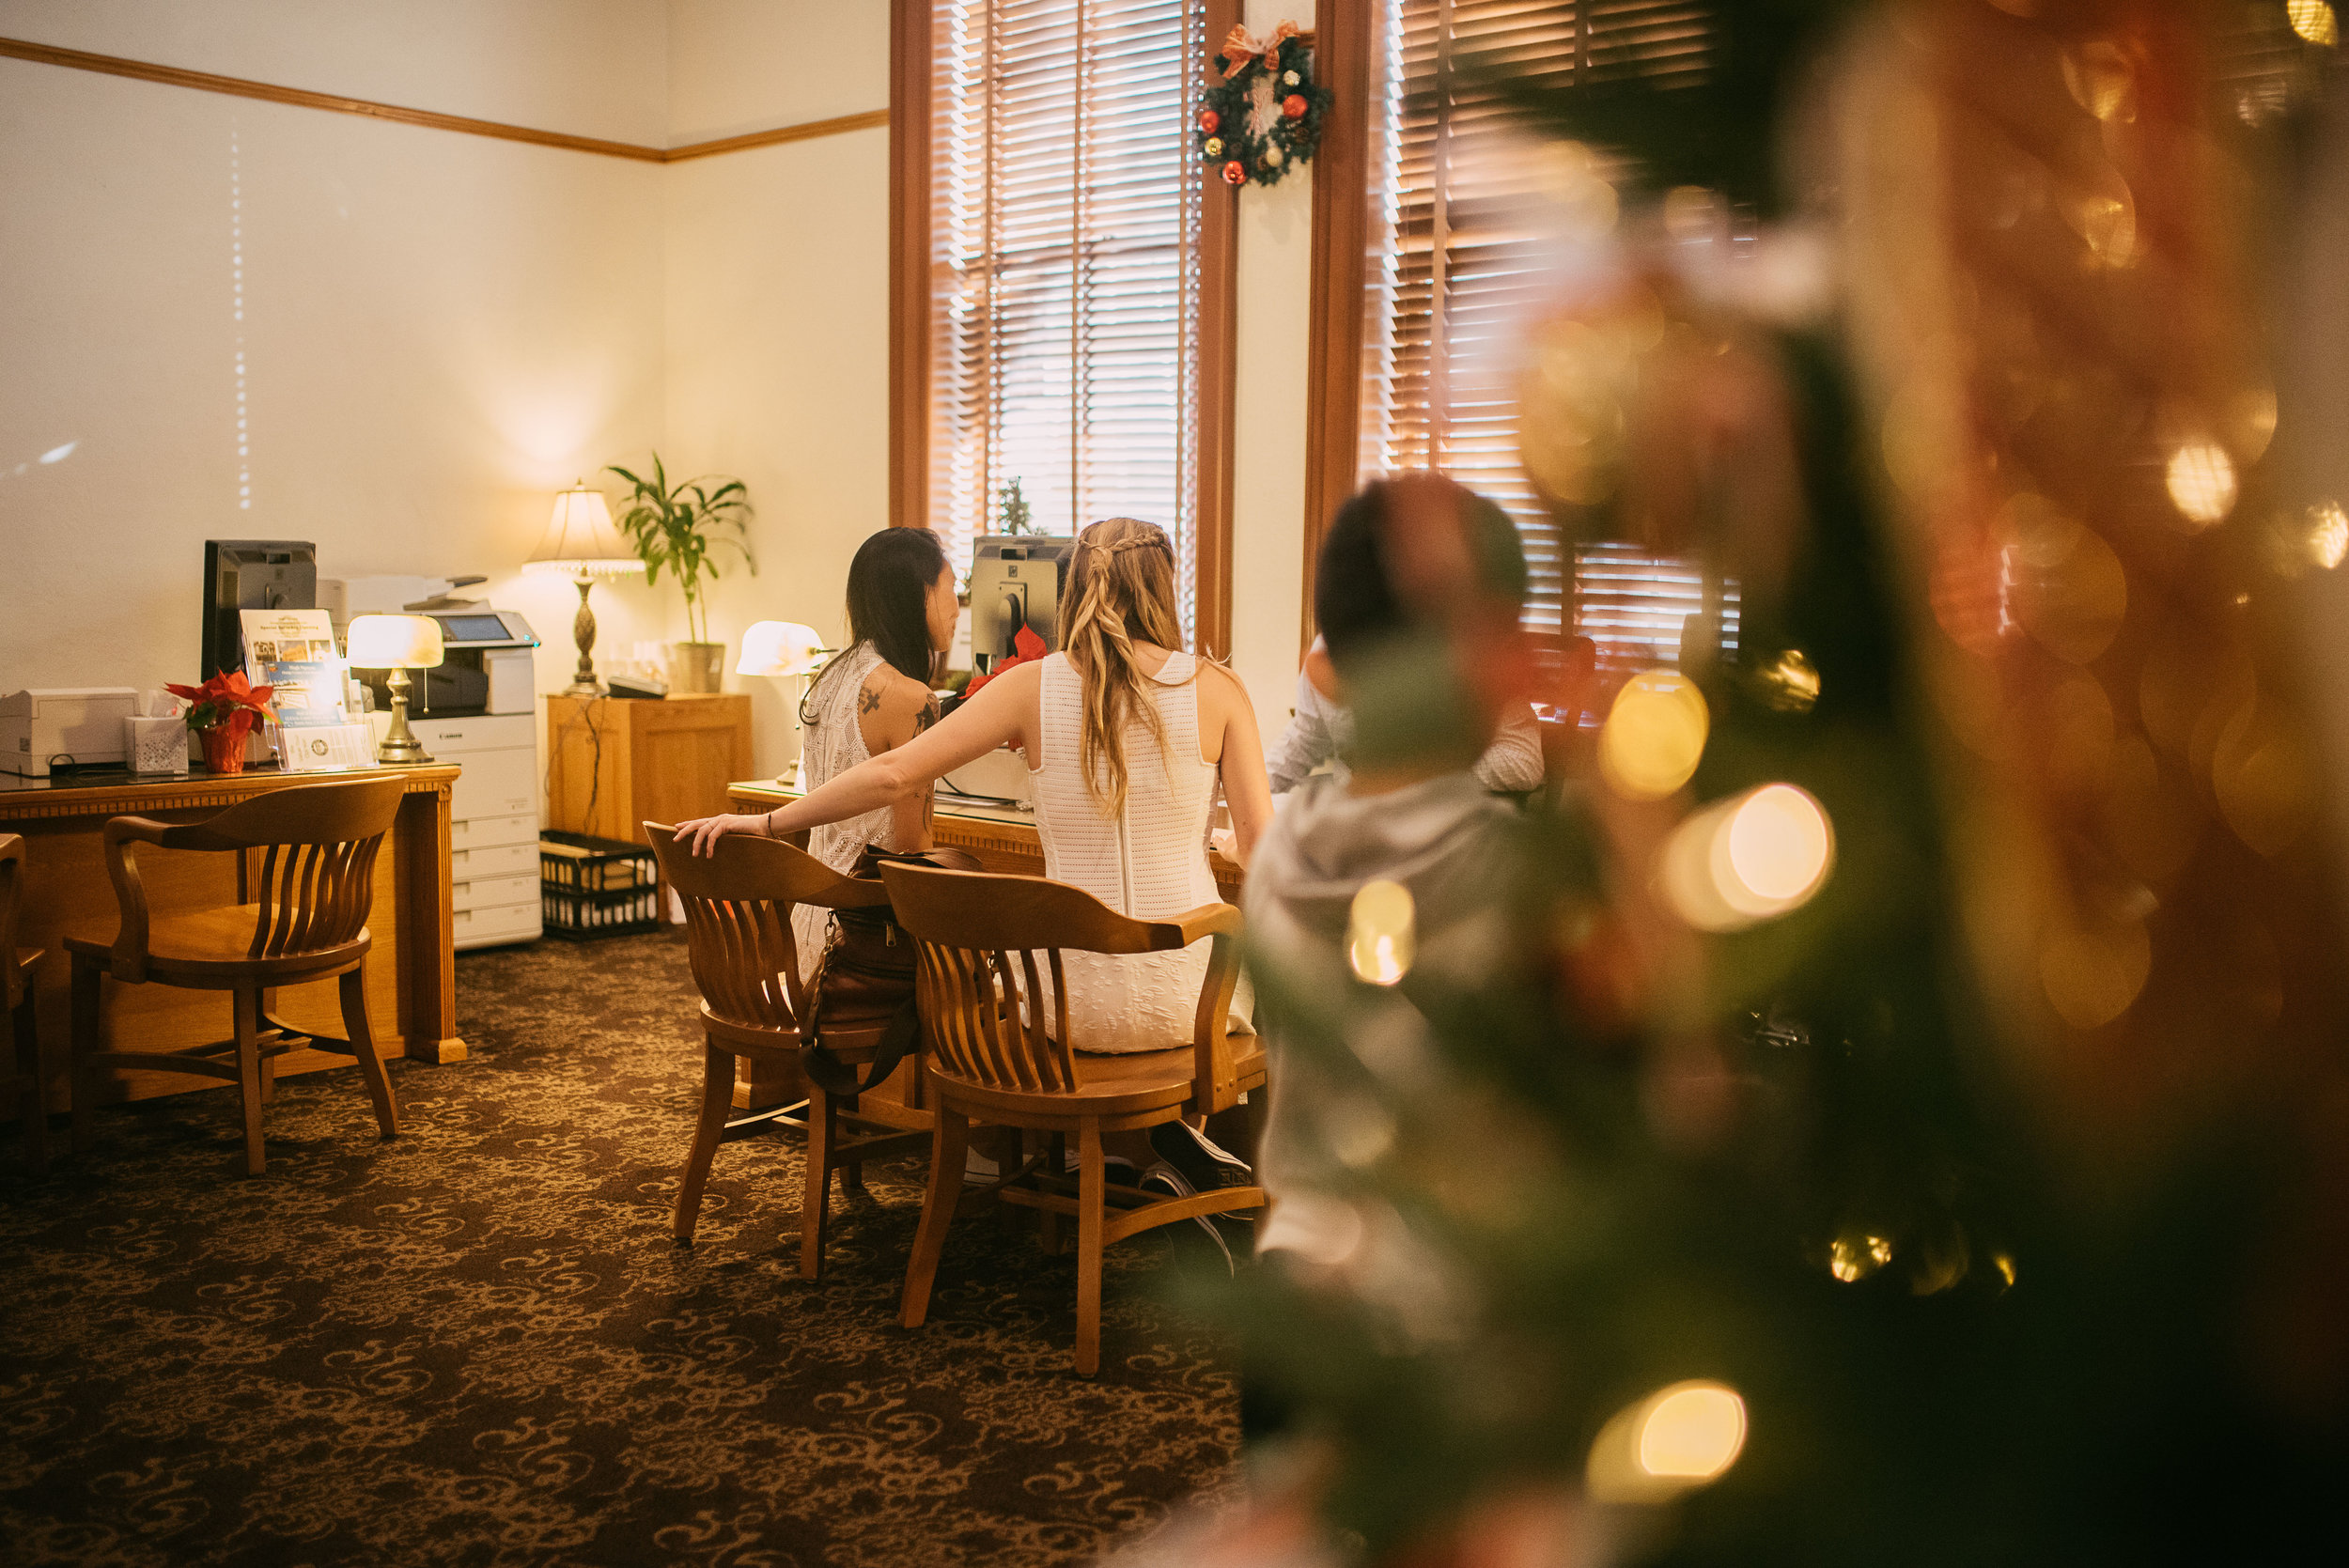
pixel 227 698
pixel 1030 650
pixel 1294 106
pixel 1234 172
pixel 1210 121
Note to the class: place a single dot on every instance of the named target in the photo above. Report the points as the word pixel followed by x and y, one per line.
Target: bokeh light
pixel 1653 736
pixel 1678 1439
pixel 2201 482
pixel 2313 20
pixel 1855 1256
pixel 1789 683
pixel 1381 932
pixel 1749 859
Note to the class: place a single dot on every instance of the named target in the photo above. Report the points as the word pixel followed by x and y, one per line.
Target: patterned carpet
pixel 478 1345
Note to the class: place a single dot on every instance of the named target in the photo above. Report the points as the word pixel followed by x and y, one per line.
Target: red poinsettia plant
pixel 221 712
pixel 228 699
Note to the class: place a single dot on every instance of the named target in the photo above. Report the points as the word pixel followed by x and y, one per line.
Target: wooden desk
pixel 411 972
pixel 1003 837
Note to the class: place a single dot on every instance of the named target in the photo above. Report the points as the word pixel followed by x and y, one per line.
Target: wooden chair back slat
pixel 311 895
pixel 738 920
pixel 11 906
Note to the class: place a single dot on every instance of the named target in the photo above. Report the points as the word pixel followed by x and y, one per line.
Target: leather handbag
pixel 865 980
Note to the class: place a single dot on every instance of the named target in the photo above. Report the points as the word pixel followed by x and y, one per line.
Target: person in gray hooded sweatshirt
pixel 1418 592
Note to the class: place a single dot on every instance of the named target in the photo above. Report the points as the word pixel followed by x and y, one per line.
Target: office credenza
pixel 412 975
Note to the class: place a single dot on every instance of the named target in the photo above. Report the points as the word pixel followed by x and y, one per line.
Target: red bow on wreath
pixel 1240 50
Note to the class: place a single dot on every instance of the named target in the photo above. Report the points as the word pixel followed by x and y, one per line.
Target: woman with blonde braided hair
pixel 1125 735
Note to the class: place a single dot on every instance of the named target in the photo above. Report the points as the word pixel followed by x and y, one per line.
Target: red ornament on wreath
pixel 1265 117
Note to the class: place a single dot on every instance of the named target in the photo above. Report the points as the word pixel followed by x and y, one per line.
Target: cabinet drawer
pixel 476 832
pixel 495 784
pixel 500 922
pixel 480 893
pixel 490 731
pixel 494 859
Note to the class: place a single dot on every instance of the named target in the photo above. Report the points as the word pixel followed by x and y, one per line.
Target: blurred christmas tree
pixel 1916 1126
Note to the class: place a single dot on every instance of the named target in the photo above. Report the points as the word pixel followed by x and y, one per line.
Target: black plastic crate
pixel 597 887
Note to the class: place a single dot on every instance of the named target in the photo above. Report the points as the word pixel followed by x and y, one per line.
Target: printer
pixel 64 728
pixel 485 654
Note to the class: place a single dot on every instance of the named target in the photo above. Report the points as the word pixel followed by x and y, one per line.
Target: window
pixel 1065 279
pixel 1451 266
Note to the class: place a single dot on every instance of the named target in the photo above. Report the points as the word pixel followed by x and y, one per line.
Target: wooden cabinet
pixel 620 762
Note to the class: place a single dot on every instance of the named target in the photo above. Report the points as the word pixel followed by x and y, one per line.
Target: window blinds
pixel 1456 266
pixel 1065 267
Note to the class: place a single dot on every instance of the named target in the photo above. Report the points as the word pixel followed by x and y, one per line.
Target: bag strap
pixel 837 1077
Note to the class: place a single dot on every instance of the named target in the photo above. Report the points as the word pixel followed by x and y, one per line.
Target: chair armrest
pixel 129 952
pixel 1206 920
pixel 1215 1081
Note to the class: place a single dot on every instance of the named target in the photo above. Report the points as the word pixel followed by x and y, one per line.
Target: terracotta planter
pixel 224 746
pixel 696 667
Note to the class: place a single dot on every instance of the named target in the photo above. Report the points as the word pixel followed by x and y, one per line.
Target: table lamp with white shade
pixel 398 643
pixel 582 543
pixel 783 650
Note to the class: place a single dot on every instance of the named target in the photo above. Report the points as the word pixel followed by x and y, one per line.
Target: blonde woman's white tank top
pixel 1149 862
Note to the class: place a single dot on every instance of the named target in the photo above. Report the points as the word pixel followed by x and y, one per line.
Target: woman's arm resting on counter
pixel 996 716
pixel 1241 765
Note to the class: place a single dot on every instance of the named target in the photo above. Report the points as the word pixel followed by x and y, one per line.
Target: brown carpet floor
pixel 478 1345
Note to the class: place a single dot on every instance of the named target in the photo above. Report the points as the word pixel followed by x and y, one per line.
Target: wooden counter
pixel 412 975
pixel 1003 837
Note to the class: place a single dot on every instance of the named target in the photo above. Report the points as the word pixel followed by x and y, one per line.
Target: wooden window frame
pixel 1343 34
pixel 909 162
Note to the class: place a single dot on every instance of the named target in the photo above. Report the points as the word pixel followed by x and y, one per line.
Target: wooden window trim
pixel 909 320
pixel 1343 40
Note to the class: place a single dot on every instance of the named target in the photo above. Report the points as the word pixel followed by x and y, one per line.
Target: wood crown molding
pixel 237 86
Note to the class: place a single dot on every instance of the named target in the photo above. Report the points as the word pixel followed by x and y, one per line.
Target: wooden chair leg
pixel 949 1138
pixel 81 1076
pixel 361 1032
pixel 1047 1220
pixel 823 1138
pixel 852 1172
pixel 247 1005
pixel 32 1101
pixel 1091 1199
pixel 717 1102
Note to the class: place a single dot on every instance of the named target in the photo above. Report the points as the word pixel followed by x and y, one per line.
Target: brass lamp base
pixel 399 744
pixel 584 681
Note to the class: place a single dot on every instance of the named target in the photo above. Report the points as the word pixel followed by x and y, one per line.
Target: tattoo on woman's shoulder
pixel 868 700
pixel 928 717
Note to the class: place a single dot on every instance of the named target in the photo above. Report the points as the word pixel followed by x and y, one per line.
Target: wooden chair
pixel 23 1085
pixel 302 916
pixel 991 1056
pixel 746 963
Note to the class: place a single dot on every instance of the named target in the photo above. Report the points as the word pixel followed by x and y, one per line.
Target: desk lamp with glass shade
pixel 398 643
pixel 784 649
pixel 582 543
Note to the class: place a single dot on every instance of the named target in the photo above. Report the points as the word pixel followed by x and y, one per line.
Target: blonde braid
pixel 1124 572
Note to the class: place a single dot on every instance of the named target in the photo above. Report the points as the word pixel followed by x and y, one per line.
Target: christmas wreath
pixel 1264 118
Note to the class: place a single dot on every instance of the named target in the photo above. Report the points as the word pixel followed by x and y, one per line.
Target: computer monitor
pixel 251 574
pixel 1016 581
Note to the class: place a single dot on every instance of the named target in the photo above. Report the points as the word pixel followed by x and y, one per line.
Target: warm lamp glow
pixel 1748 859
pixel 394 641
pixel 779 649
pixel 2201 482
pixel 1678 1438
pixel 1654 734
pixel 580 539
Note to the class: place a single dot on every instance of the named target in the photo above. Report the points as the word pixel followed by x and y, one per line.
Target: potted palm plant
pixel 678 526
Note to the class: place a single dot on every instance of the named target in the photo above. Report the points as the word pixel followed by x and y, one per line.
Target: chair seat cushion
pixel 215 941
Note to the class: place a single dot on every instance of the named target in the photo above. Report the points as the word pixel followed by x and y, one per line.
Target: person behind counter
pixel 1125 735
pixel 874 697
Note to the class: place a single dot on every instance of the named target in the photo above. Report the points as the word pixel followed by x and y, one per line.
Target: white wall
pixel 437 329
pixel 777 299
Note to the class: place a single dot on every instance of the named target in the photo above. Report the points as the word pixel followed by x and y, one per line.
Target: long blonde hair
pixel 1121 591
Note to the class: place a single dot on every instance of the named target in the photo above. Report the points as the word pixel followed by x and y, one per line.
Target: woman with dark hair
pixel 873 697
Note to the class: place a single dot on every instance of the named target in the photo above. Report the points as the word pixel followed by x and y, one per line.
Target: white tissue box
pixel 65 726
pixel 157 745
